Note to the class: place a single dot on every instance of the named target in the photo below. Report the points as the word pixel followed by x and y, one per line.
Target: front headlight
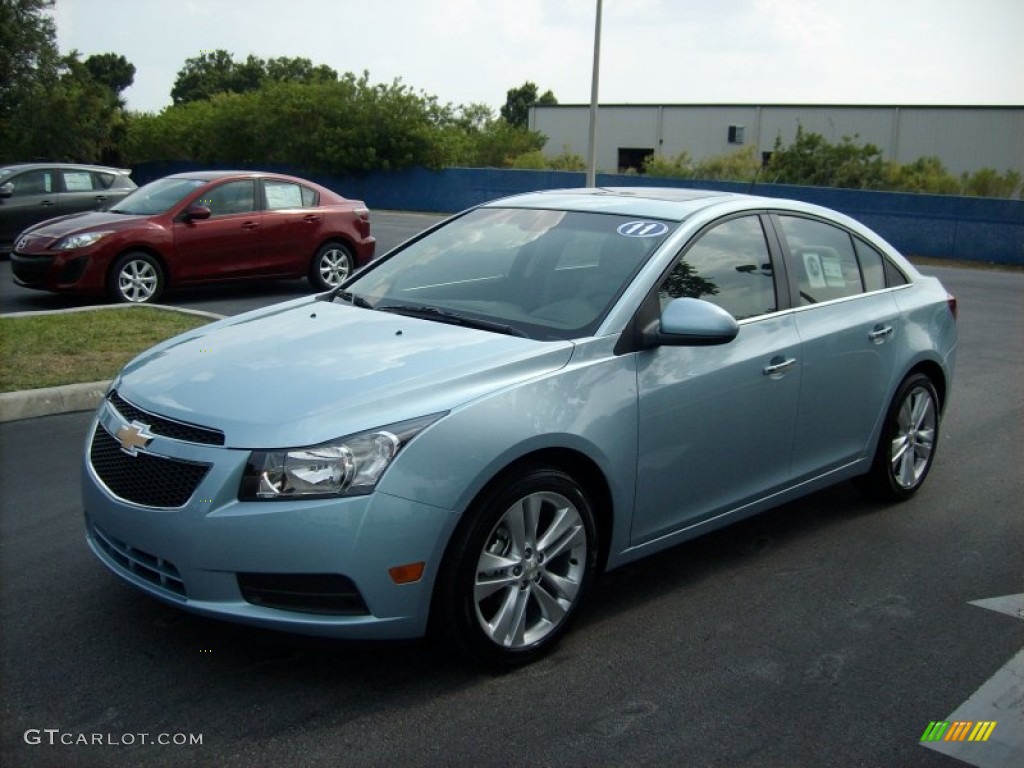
pixel 83 240
pixel 349 466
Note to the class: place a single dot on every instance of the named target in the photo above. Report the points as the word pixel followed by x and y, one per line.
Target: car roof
pixel 656 202
pixel 74 166
pixel 213 175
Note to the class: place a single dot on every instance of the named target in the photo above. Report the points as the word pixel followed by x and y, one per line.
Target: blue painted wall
pixel 941 226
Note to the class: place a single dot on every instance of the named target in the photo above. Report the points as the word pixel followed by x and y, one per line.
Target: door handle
pixel 778 367
pixel 311 218
pixel 47 203
pixel 250 225
pixel 880 333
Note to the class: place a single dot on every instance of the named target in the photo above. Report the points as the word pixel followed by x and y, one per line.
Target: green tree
pixel 111 70
pixel 28 67
pixel 518 101
pixel 812 160
pixel 204 76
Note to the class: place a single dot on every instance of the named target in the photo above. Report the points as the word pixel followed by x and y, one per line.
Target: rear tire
pixel 518 569
pixel 906 447
pixel 136 278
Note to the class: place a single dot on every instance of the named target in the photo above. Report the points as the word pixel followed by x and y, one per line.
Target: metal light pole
pixel 592 147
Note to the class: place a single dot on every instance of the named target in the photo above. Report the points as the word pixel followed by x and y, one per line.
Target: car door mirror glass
pixel 693 322
pixel 6 190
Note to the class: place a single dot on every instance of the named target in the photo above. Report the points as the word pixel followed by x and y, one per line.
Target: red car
pixel 193 228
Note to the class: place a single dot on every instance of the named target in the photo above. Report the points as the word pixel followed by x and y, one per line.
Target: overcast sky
pixel 966 52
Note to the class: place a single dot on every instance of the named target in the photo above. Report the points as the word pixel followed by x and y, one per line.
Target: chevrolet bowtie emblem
pixel 134 436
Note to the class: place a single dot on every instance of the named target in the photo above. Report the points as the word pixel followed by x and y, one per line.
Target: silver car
pixel 469 429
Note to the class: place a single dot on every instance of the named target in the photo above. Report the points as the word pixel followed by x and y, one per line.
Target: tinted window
pixel 232 197
pixel 730 266
pixel 33 183
pixel 872 266
pixel 824 261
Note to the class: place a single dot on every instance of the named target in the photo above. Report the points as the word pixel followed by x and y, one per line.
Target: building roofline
pixel 748 105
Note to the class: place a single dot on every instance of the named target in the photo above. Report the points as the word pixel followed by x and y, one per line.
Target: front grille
pixel 152 481
pixel 31 270
pixel 158 425
pixel 322 593
pixel 151 568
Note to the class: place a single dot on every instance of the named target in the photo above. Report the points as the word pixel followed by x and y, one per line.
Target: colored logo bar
pixel 958 730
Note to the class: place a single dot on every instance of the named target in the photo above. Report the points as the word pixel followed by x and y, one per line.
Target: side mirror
pixel 691 323
pixel 197 212
pixel 6 190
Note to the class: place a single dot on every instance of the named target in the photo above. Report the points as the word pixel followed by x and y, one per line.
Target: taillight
pixel 951 302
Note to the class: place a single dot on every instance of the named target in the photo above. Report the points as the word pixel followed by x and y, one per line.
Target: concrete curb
pixel 30 403
pixel 68 398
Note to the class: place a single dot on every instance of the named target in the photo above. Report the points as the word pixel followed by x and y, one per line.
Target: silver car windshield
pixel 544 274
pixel 157 196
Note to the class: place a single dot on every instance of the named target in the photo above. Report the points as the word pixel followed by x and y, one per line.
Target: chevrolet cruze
pixel 460 436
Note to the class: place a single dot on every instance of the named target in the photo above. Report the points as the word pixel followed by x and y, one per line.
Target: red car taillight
pixel 951 302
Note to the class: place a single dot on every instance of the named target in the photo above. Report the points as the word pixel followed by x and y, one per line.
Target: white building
pixel 963 138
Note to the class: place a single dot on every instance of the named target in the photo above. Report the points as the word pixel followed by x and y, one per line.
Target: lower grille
pixel 323 593
pixel 155 570
pixel 152 481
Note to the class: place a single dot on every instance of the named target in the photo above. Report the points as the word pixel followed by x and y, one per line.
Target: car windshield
pixel 157 196
pixel 544 274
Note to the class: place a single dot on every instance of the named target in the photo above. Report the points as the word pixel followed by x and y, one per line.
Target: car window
pixel 158 196
pixel 872 265
pixel 823 259
pixel 102 180
pixel 231 197
pixel 33 183
pixel 549 273
pixel 286 194
pixel 730 266
pixel 77 181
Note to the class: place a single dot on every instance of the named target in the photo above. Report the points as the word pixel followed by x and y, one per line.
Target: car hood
pixel 307 371
pixel 80 222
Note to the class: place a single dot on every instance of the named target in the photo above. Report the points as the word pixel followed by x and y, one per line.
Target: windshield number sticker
pixel 643 229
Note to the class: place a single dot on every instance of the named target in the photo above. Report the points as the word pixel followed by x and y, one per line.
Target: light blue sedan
pixel 465 432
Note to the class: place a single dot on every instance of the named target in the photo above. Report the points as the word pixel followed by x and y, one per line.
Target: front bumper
pixel 217 556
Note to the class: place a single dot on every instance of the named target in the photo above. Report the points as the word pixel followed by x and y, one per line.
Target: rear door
pixel 292 226
pixel 848 324
pixel 83 191
pixel 716 423
pixel 226 245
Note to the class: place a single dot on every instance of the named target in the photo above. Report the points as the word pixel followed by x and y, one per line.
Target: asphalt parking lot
pixel 830 631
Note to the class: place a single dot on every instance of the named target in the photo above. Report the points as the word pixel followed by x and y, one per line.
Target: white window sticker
pixel 643 228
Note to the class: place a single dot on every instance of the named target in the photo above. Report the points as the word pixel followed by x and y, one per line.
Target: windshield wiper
pixel 453 318
pixel 350 298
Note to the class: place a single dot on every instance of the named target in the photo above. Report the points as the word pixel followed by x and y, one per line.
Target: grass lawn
pixel 76 347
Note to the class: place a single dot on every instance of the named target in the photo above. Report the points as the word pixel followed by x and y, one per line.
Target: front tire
pixel 136 278
pixel 332 264
pixel 910 435
pixel 519 568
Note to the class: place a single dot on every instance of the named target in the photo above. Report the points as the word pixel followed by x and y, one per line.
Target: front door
pixel 716 423
pixel 226 245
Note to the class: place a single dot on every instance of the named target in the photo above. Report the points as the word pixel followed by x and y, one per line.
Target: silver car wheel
pixel 334 264
pixel 137 281
pixel 529 573
pixel 914 441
